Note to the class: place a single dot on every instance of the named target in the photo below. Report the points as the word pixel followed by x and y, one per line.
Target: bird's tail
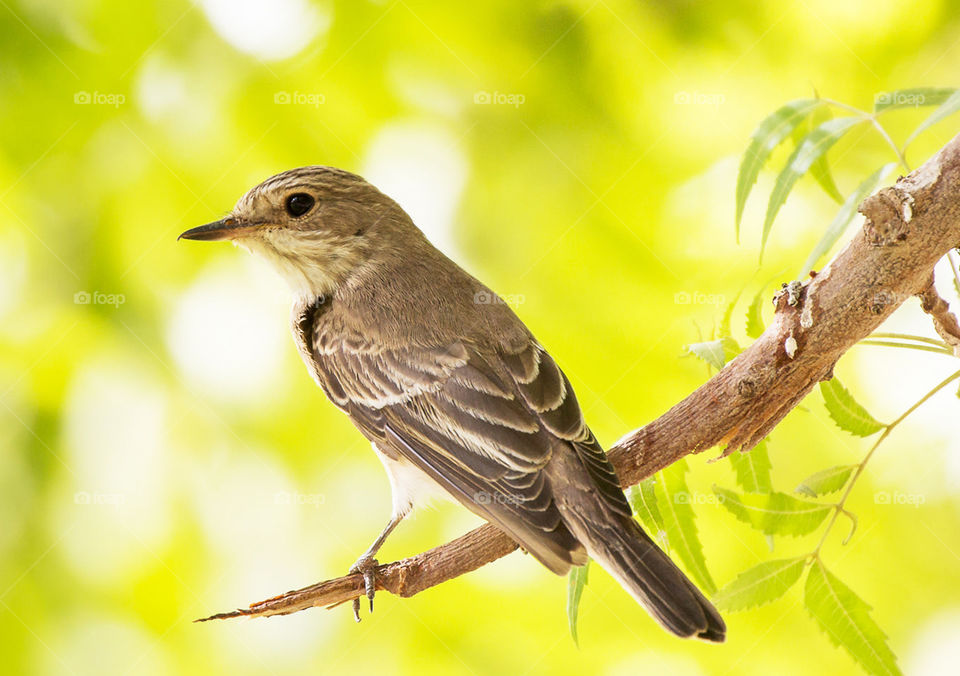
pixel 625 551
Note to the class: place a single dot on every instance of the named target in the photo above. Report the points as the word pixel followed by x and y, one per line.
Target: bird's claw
pixel 366 566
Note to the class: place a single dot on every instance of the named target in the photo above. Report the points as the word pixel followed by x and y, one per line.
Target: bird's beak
pixel 225 228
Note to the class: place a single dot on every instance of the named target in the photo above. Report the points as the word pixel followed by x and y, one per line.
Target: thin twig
pixel 944 321
pixel 839 507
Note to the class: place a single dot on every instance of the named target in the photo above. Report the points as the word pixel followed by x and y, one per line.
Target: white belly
pixel 410 486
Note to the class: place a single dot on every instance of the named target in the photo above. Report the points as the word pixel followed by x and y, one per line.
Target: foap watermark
pixel 899 99
pixel 99 298
pixel 108 499
pixel 85 98
pixel 685 498
pixel 485 98
pixel 487 498
pixel 886 298
pixel 899 498
pixel 698 99
pixel 699 298
pixel 487 298
pixel 294 498
pixel 285 98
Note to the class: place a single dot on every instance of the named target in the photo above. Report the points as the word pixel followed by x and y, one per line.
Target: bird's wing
pixel 542 384
pixel 482 423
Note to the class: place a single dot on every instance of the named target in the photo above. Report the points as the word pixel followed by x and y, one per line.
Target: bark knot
pixel 888 213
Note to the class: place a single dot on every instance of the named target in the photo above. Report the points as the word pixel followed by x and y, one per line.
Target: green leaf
pixel 820 169
pixel 767 136
pixel 681 525
pixel 947 108
pixel 845 618
pixel 643 499
pixel 846 213
pixel 755 314
pixel 774 513
pixel 715 352
pixel 710 351
pixel 760 585
pixel 576 581
pixel 846 412
pixel 911 98
pixel 730 349
pixel 725 330
pixel 753 469
pixel 816 143
pixel 826 481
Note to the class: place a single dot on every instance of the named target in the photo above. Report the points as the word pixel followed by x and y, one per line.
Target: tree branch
pixel 944 321
pixel 908 228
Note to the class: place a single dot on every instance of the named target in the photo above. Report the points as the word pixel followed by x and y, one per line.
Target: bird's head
pixel 317 225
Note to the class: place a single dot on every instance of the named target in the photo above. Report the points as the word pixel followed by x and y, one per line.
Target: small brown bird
pixel 449 386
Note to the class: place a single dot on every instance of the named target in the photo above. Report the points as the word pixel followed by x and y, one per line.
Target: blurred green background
pixel 164 454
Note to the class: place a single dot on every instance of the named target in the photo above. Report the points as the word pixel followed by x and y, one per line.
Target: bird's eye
pixel 299 203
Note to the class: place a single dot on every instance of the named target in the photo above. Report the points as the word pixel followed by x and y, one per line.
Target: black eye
pixel 299 203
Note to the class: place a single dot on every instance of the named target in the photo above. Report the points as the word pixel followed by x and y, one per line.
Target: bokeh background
pixel 165 455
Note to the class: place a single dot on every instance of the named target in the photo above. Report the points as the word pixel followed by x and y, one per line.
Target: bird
pixel 453 391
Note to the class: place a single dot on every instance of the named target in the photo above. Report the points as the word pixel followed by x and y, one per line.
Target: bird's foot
pixel 366 566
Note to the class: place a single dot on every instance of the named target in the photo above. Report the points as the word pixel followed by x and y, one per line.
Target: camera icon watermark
pixel 488 298
pixel 686 498
pixel 899 99
pixel 899 498
pixel 85 98
pixel 285 98
pixel 99 298
pixel 109 499
pixel 886 298
pixel 487 498
pixel 485 98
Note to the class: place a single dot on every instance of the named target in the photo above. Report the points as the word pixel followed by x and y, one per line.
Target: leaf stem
pixel 909 336
pixel 872 117
pixel 839 507
pixel 892 343
pixel 901 157
pixel 846 107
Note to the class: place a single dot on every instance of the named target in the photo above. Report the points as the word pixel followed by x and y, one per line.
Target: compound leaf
pixel 768 135
pixel 845 618
pixel 814 145
pixel 826 481
pixel 846 213
pixel 681 525
pixel 761 584
pixel 845 411
pixel 774 513
pixel 753 469
pixel 576 581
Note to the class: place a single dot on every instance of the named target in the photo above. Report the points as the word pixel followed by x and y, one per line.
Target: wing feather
pixel 481 422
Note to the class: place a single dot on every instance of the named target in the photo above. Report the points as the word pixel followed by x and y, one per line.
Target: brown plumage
pixel 448 384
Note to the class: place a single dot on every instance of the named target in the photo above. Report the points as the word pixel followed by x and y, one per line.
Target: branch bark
pixel 908 228
pixel 944 321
